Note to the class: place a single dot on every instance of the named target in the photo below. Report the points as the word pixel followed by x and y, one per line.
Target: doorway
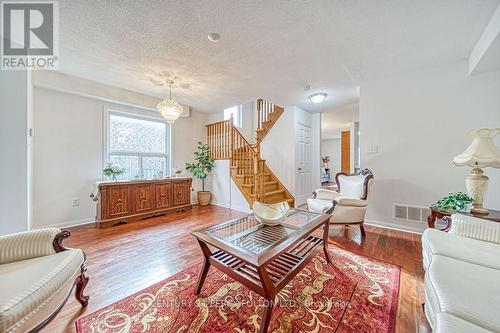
pixel 345 151
pixel 303 163
pixel 340 143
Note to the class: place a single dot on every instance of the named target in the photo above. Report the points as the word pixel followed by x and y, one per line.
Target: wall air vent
pixel 401 212
pixel 411 213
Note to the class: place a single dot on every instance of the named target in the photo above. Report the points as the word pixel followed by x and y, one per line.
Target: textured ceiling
pixel 269 49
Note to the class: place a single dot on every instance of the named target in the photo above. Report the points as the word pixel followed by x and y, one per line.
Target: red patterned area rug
pixel 355 294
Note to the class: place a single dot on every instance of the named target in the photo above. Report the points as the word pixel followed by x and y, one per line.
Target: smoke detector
pixel 214 37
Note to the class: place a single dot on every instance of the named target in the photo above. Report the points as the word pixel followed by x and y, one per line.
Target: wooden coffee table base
pixel 270 277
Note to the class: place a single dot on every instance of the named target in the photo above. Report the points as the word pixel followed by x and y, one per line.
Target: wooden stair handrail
pixel 267 115
pixel 256 165
pixel 225 142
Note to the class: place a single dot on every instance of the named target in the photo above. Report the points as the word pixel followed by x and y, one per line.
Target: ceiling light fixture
pixel 214 37
pixel 169 108
pixel 318 97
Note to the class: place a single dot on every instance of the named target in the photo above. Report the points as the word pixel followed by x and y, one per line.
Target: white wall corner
pixel 15 145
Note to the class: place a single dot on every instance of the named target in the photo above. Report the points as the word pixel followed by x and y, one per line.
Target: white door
pixel 303 163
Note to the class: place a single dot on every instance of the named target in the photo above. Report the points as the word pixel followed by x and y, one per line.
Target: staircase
pixel 250 173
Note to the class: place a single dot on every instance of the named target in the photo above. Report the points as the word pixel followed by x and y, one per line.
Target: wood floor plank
pixel 125 259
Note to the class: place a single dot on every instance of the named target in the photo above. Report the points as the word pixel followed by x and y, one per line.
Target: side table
pixel 493 215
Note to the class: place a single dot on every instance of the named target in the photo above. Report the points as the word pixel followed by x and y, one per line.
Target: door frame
pixel 302 198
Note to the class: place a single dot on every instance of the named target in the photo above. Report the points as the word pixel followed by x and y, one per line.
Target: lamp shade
pixel 482 152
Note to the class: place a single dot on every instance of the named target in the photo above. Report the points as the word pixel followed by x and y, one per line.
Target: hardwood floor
pixel 125 259
pixel 401 248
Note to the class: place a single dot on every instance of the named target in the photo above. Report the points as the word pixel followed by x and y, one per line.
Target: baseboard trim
pixel 67 224
pixel 388 225
pixel 225 205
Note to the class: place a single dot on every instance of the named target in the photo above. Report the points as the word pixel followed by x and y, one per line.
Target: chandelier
pixel 169 108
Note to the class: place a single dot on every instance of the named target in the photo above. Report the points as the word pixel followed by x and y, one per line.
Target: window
pixel 139 145
pixel 234 111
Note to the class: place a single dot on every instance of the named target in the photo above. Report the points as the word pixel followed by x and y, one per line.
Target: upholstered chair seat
pixel 37 275
pixel 348 205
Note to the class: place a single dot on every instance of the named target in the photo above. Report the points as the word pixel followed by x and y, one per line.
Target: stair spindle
pixel 226 142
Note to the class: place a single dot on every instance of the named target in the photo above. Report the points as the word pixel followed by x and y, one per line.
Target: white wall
pixel 14 152
pixel 225 193
pixel 420 121
pixel 332 148
pixel 68 143
pixel 278 147
pixel 248 126
pixel 334 121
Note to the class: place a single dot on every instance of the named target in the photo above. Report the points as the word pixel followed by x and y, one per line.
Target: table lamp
pixel 481 153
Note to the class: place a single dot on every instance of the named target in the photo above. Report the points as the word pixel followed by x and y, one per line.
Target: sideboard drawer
pixel 143 198
pixel 118 203
pixel 181 193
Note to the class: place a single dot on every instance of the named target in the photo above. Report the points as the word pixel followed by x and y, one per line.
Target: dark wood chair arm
pixel 330 210
pixel 58 241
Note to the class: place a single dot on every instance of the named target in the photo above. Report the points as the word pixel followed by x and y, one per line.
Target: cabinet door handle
pixel 119 201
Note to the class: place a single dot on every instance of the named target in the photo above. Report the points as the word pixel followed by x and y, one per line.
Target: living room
pixel 252 167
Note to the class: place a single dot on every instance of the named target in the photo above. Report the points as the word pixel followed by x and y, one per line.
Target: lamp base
pixel 477 184
pixel 479 211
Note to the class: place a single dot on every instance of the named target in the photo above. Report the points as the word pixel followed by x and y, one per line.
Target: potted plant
pixel 325 160
pixel 454 201
pixel 200 169
pixel 113 170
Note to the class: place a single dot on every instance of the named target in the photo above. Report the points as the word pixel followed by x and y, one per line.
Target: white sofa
pixel 37 274
pixel 462 278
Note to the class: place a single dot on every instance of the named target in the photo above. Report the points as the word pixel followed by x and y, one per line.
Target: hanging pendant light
pixel 169 108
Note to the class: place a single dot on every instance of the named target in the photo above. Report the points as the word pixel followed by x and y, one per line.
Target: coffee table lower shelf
pixel 263 258
pixel 266 280
pixel 280 270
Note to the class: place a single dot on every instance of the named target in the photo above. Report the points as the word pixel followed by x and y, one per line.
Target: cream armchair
pixel 37 275
pixel 348 206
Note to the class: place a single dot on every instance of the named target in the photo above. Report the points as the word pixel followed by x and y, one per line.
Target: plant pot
pixel 204 197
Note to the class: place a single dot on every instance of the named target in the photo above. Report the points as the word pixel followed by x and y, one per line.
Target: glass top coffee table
pixel 261 257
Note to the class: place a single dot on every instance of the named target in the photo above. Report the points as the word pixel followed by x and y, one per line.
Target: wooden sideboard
pixel 134 200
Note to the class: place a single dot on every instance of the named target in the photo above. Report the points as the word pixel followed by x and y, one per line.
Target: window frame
pixel 240 115
pixel 141 115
